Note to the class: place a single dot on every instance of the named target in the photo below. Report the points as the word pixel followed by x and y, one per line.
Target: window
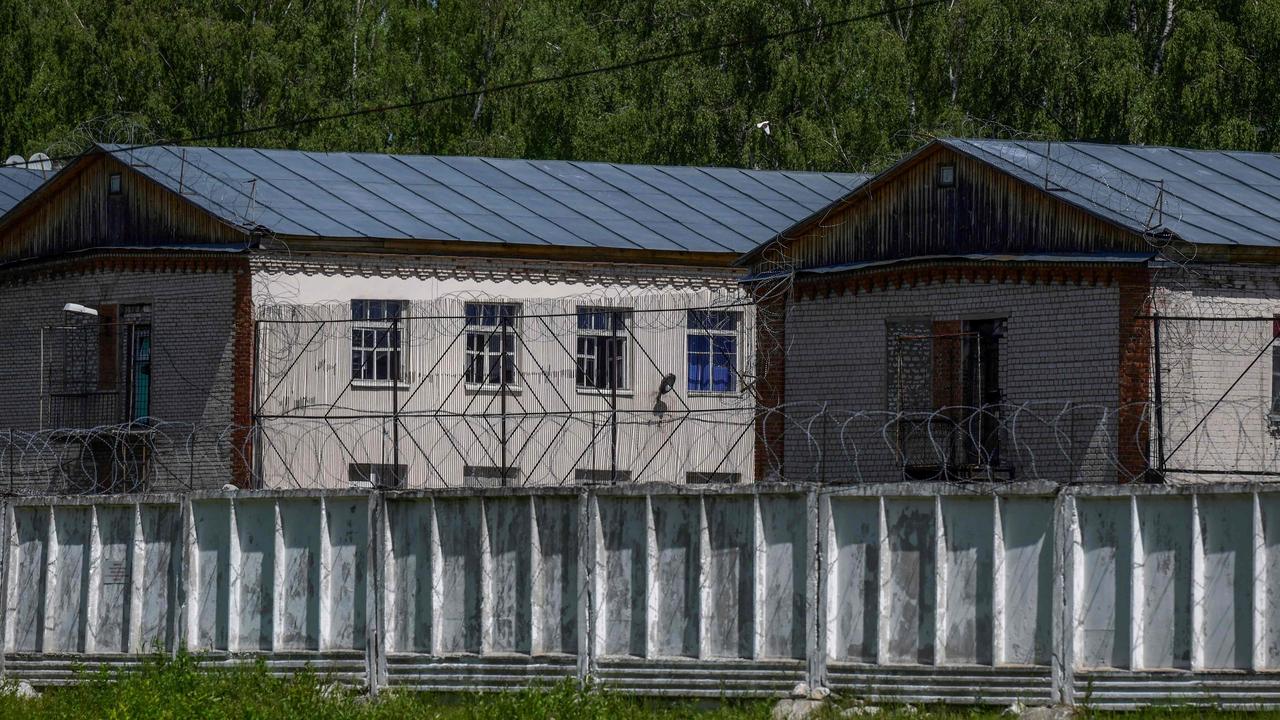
pixel 602 355
pixel 481 476
pixel 946 176
pixel 713 351
pixel 586 476
pixel 383 475
pixel 137 319
pixel 113 184
pixel 491 343
pixel 712 478
pixel 376 334
pixel 982 390
pixel 1273 418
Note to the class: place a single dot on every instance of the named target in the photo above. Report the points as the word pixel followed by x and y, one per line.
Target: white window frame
pixel 490 332
pixel 581 361
pixel 712 333
pixel 365 324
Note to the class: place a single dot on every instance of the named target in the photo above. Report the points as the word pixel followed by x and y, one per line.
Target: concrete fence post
pixel 587 596
pixel 375 587
pixel 179 564
pixel 6 540
pixel 1062 637
pixel 819 511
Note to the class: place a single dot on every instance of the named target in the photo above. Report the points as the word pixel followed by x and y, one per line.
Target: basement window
pixel 383 475
pixel 586 476
pixel 482 476
pixel 712 478
pixel 113 184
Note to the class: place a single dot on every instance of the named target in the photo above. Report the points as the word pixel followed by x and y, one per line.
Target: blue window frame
pixel 712 345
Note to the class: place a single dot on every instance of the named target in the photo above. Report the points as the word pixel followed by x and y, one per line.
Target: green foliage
pixel 854 97
pixel 165 690
pixel 170 689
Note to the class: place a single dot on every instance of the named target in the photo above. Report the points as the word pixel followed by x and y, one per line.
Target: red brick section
pixel 946 344
pixel 1133 426
pixel 108 349
pixel 242 378
pixel 771 380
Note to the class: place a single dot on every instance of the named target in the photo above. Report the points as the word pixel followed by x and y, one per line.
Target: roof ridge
pixel 121 147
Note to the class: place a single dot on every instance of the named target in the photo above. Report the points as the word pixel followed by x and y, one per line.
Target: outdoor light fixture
pixel 668 384
pixel 80 309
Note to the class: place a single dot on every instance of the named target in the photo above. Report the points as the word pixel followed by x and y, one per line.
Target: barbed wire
pixel 1049 442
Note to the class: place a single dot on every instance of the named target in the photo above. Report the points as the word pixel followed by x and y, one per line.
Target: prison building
pixel 996 310
pixel 188 317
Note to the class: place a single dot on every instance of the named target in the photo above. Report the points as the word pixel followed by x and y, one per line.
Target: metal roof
pixel 487 200
pixel 16 183
pixel 1210 197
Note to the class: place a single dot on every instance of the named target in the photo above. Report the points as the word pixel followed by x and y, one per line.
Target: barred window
pixel 712 478
pixel 603 353
pixel 481 476
pixel 377 474
pixel 491 343
pixel 712 350
pixel 592 476
pixel 376 333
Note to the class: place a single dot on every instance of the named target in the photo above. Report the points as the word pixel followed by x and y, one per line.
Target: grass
pixel 181 688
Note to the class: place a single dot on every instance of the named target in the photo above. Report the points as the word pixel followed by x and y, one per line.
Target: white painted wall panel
pixel 912 580
pixel 855 578
pixel 1165 576
pixel 1027 531
pixel 968 529
pixel 1226 526
pixel 1104 590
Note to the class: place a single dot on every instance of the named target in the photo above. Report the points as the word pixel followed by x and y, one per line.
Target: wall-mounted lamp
pixel 79 309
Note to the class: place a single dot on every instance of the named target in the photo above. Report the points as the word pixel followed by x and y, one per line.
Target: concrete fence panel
pixel 1104 596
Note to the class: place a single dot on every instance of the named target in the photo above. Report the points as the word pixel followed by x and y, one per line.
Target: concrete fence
pixel 1107 596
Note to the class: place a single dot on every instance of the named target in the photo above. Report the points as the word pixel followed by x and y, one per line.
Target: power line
pixel 531 82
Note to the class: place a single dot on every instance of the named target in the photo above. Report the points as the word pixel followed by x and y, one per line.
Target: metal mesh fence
pixel 479 393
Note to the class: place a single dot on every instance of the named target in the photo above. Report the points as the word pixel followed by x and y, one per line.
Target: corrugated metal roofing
pixel 16 183
pixel 473 199
pixel 1211 197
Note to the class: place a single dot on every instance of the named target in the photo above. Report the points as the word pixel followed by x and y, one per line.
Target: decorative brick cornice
pixel 115 261
pixel 1038 273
